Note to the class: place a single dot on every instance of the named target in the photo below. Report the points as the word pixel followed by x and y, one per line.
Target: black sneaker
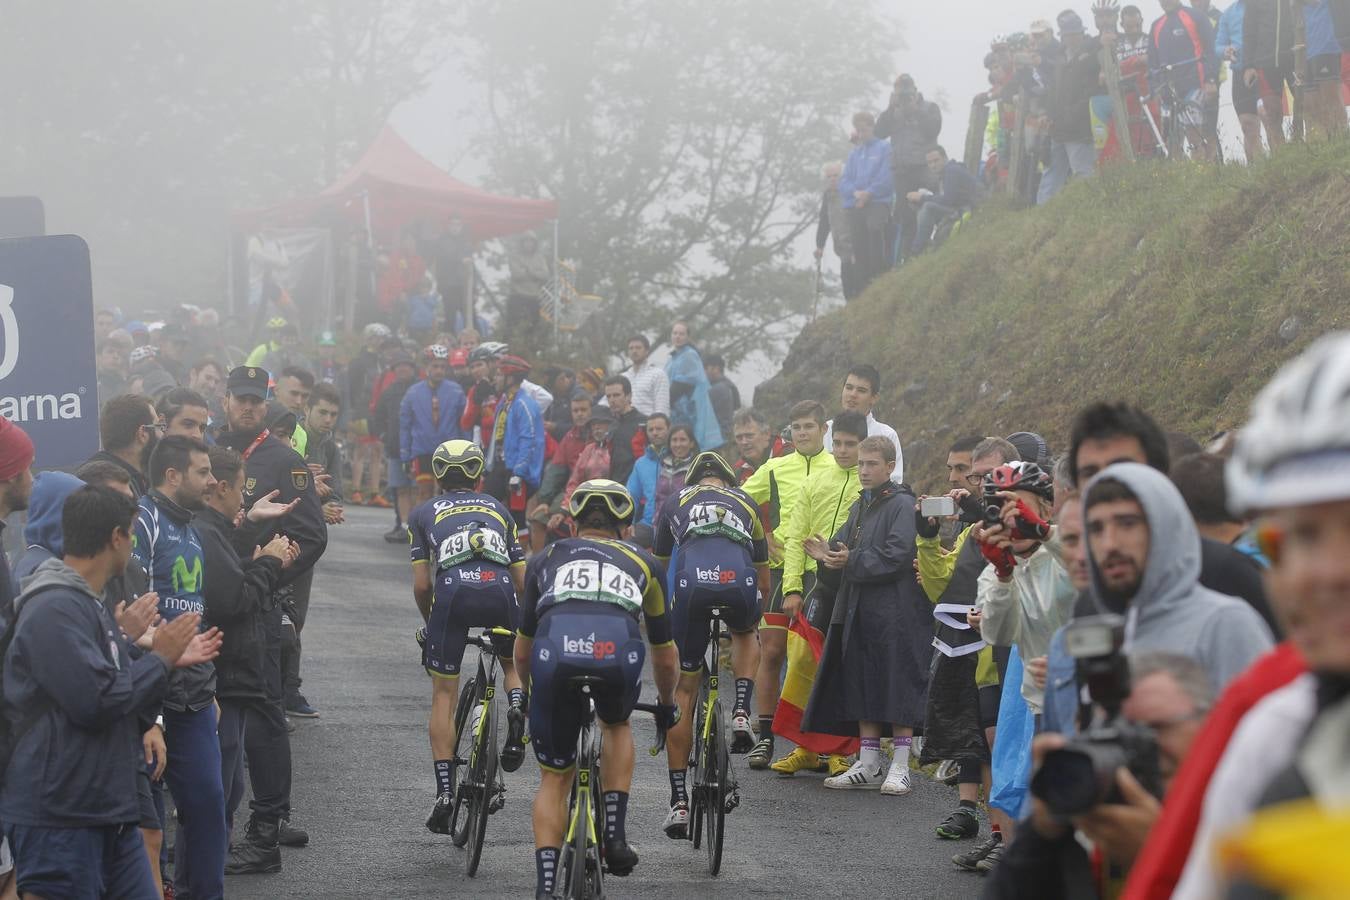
pixel 619 858
pixel 396 535
pixel 290 836
pixel 958 826
pixel 762 754
pixel 439 820
pixel 992 859
pixel 513 751
pixel 971 859
pixel 299 707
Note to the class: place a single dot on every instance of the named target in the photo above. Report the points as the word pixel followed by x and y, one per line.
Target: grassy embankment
pixel 1179 287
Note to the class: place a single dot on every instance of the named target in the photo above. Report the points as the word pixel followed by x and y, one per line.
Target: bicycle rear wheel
pixel 484 778
pixel 468 698
pixel 577 881
pixel 715 791
pixel 699 770
pixel 595 868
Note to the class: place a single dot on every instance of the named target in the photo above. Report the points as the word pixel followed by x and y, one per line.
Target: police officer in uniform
pixel 272 465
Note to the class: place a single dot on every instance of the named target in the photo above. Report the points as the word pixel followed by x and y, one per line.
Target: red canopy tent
pixel 402 187
pixel 391 187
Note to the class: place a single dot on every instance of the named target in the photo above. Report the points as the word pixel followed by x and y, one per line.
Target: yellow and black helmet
pixel 465 456
pixel 710 462
pixel 614 496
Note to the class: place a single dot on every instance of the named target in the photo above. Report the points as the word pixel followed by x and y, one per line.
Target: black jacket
pixel 623 456
pixel 912 130
pixel 274 465
pixel 239 592
pixel 139 486
pixel 1073 82
pixel 1268 34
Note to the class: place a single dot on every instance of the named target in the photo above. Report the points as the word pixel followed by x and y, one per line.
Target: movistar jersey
pixel 709 516
pixel 466 531
pixel 169 549
pixel 600 571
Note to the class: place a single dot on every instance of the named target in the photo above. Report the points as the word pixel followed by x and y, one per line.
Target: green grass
pixel 1161 284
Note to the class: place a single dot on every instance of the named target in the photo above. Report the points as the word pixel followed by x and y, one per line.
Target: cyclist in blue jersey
pixel 579 617
pixel 468 568
pixel 722 560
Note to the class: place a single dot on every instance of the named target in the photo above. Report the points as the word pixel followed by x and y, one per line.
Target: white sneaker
pixel 677 822
pixel 897 782
pixel 857 778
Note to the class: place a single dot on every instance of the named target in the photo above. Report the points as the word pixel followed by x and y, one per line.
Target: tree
pixel 142 124
pixel 683 142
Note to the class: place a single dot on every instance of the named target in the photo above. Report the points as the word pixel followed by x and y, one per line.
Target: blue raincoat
pixel 685 367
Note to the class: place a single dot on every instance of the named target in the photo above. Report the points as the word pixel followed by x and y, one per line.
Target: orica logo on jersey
pixel 715 575
pixel 477 576
pixel 588 646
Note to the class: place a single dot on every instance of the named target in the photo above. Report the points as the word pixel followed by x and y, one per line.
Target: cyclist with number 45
pixel 468 568
pixel 722 560
pixel 579 617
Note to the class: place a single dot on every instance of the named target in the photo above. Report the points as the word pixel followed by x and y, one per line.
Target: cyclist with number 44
pixel 721 559
pixel 468 568
pixel 579 618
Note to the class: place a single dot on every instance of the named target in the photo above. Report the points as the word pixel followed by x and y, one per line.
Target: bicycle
pixel 480 791
pixel 714 791
pixel 1177 113
pixel 581 863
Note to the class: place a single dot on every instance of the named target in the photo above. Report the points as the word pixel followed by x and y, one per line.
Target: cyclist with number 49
pixel 468 568
pixel 713 529
pixel 579 617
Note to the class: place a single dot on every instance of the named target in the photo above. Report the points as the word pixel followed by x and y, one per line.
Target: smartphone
pixel 937 507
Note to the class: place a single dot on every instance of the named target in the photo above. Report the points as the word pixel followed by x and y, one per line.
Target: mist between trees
pixel 682 140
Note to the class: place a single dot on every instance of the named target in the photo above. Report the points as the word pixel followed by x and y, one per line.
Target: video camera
pixel 1082 774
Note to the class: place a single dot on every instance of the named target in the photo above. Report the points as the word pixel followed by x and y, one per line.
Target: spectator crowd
pixel 1066 99
pixel 1081 638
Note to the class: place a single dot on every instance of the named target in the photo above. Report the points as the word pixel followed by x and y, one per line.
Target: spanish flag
pixel 804 645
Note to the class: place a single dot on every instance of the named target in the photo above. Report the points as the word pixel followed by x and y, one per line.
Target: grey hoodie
pixel 1171 612
pixel 73 691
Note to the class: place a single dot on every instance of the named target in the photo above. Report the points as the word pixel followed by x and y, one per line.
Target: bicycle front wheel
pixel 715 790
pixel 459 824
pixel 484 784
pixel 577 881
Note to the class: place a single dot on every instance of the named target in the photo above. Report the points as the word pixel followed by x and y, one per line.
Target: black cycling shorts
pixel 146 810
pixel 581 638
pixel 711 576
pixel 468 596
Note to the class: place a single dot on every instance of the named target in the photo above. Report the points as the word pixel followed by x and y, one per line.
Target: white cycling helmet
pixel 376 330
pixel 1295 450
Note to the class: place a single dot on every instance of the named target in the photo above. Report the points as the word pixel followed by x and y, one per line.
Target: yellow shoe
pixel 798 760
pixel 836 765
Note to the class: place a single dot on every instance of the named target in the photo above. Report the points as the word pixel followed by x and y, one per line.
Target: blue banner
pixel 48 374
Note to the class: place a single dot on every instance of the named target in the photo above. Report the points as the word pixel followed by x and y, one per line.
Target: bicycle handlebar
pixel 483 640
pixel 655 710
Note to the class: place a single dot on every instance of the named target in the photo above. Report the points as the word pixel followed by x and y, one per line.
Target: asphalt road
pixel 363 784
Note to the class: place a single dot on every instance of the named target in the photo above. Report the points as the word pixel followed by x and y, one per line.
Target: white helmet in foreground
pixel 1295 450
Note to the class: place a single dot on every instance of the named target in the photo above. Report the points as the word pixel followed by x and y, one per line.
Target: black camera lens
pixel 1081 775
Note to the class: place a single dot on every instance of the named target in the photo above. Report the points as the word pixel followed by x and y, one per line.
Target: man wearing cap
pixel 1073 78
pixel 272 469
pixel 275 327
pixel 428 417
pixel 913 125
